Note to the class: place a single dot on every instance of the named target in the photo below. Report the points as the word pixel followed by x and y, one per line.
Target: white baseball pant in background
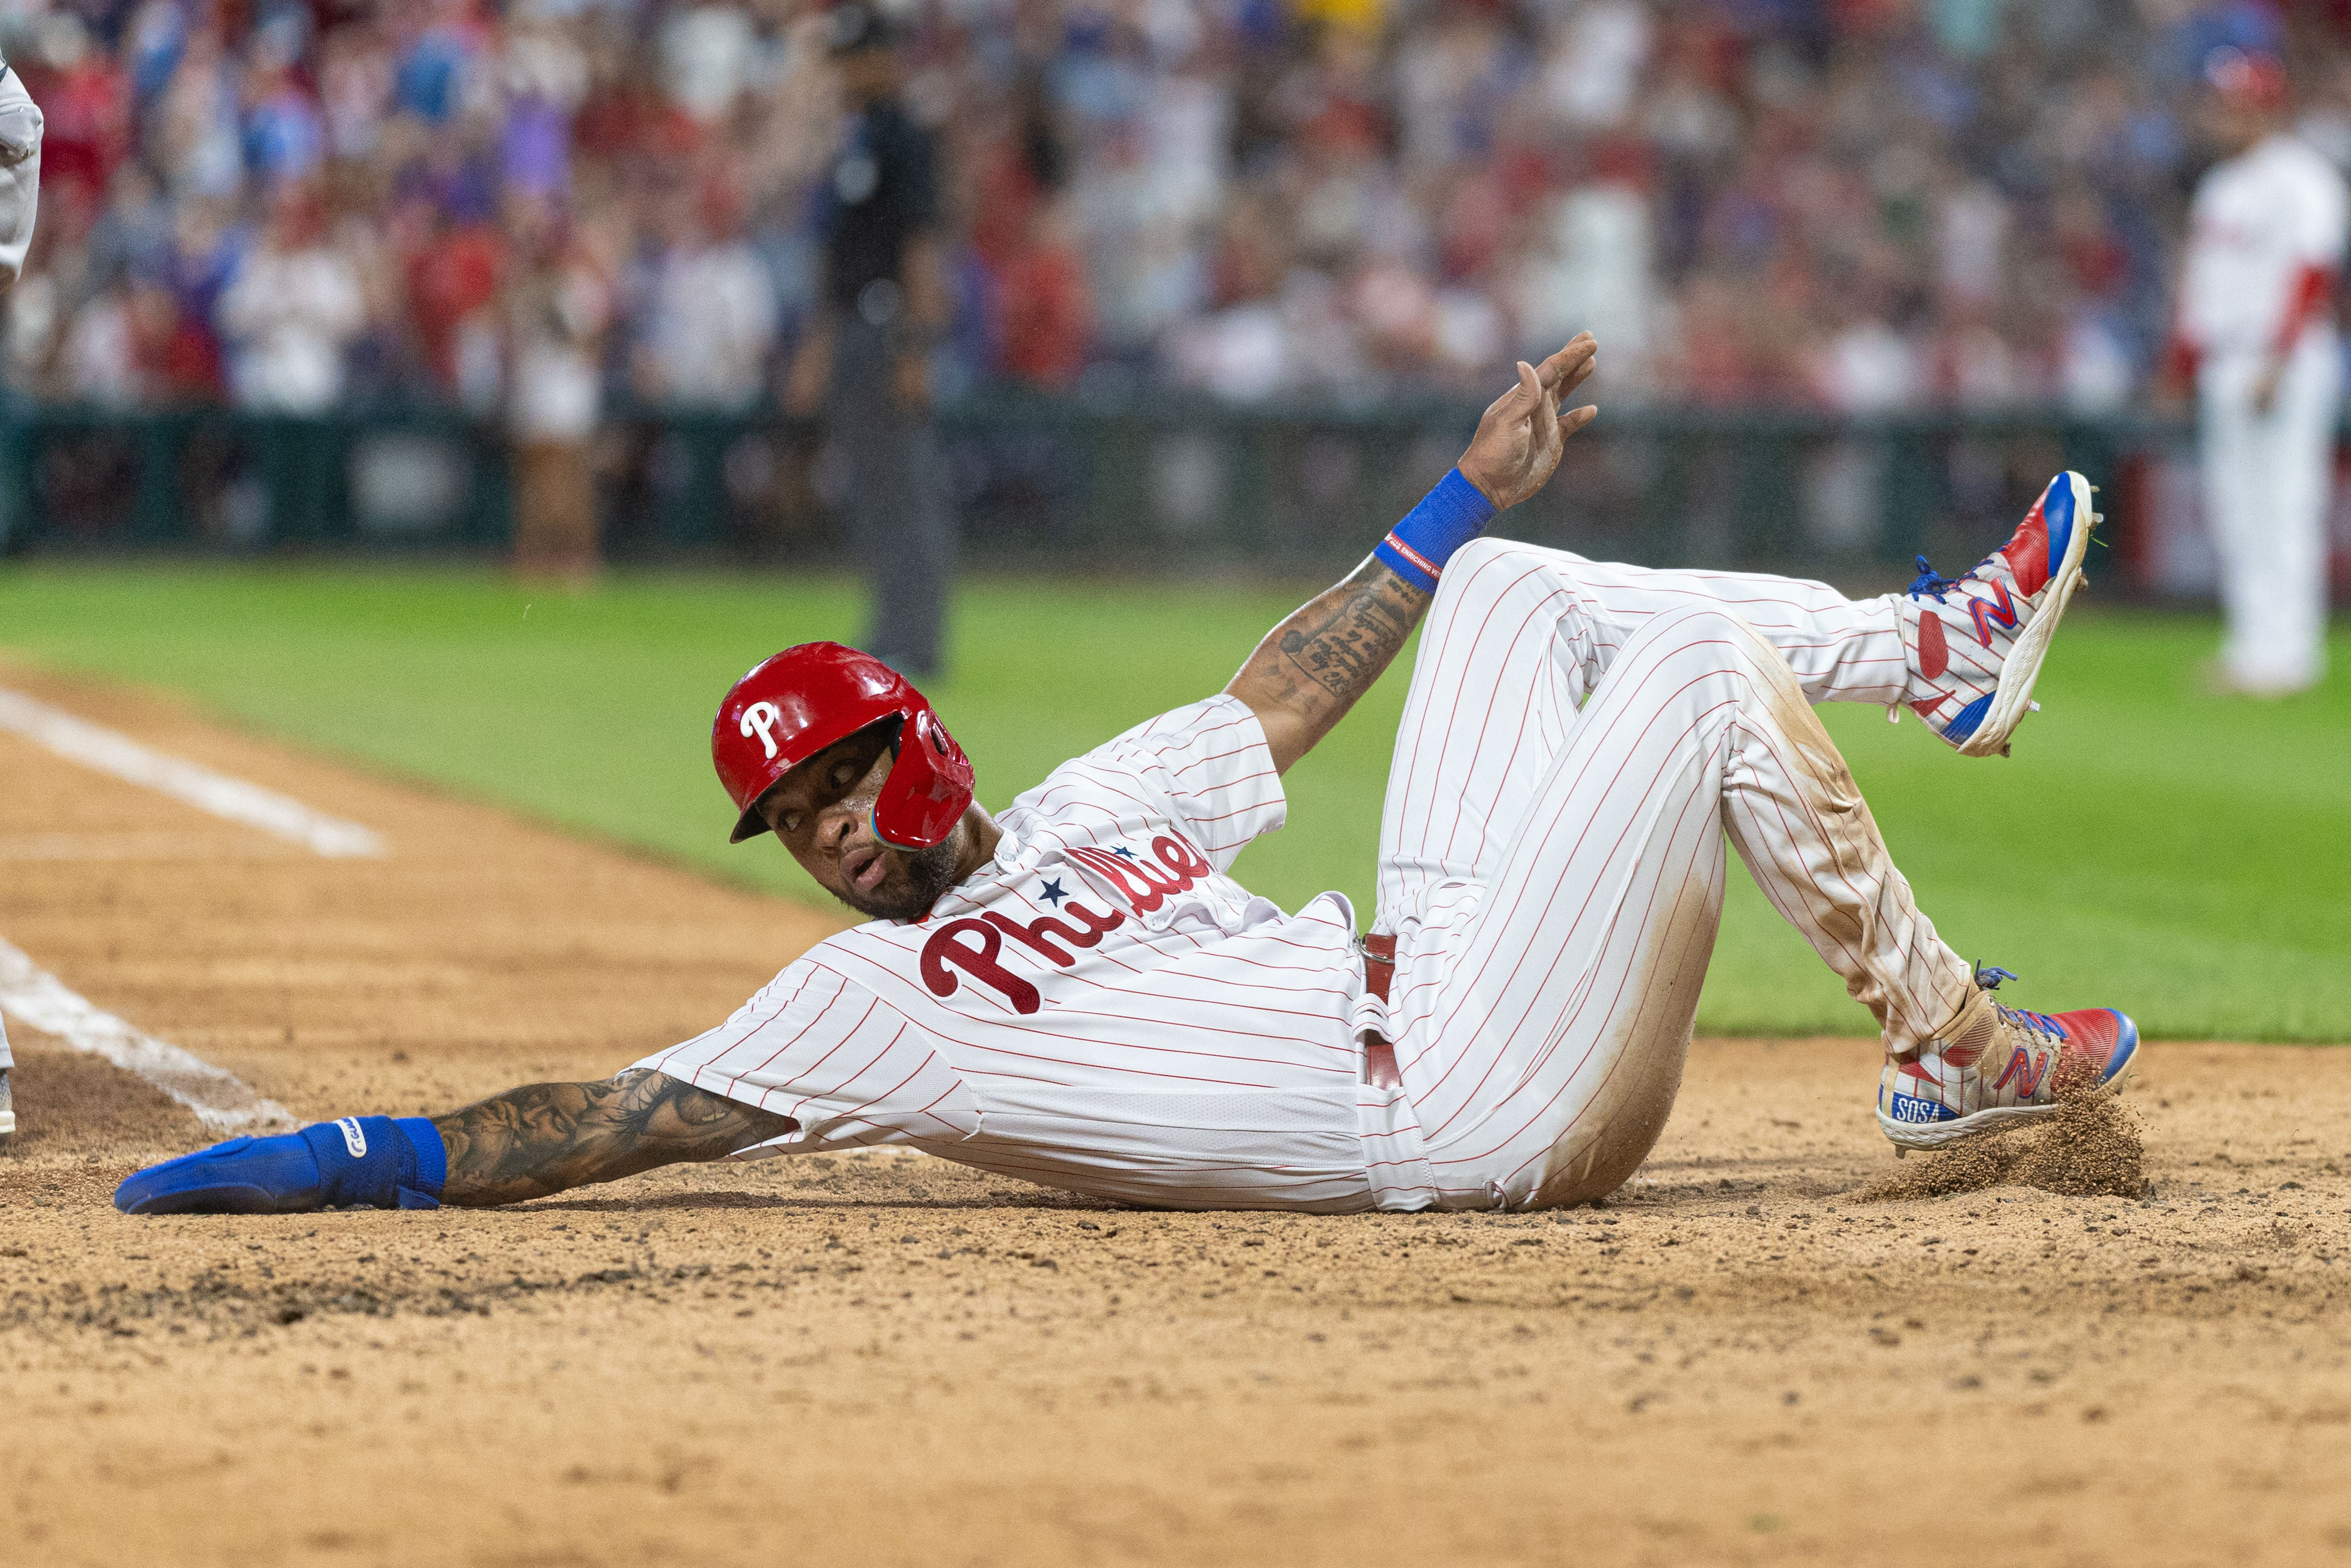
pixel 1552 868
pixel 20 173
pixel 20 195
pixel 2269 481
pixel 20 192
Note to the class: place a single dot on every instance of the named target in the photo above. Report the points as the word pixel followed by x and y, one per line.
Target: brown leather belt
pixel 1380 1069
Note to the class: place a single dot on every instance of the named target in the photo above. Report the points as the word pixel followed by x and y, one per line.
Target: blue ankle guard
pixel 1446 519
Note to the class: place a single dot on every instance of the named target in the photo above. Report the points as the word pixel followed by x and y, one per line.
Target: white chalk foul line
pixel 222 1100
pixel 94 746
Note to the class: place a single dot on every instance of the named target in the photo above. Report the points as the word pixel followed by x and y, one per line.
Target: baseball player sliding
pixel 1074 990
pixel 2256 333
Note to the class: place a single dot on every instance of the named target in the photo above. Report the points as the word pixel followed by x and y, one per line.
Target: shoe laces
pixel 1988 977
pixel 2031 1022
pixel 1928 584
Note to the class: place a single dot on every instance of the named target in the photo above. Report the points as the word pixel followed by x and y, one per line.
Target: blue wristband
pixel 380 1162
pixel 431 1154
pixel 1446 519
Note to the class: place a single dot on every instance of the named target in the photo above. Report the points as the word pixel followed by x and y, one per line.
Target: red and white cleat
pixel 1975 642
pixel 1996 1067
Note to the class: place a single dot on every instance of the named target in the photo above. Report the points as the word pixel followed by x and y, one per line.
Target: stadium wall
pixel 1158 483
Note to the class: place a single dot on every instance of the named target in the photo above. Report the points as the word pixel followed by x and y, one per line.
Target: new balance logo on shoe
pixel 2024 1072
pixel 1988 614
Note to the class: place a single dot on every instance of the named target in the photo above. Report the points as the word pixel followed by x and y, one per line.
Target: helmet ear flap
pixel 928 788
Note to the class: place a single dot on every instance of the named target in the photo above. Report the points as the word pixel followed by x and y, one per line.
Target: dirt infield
pixel 1747 1356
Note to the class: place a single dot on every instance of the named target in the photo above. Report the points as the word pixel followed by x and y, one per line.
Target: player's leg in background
pixel 20 174
pixel 1542 1012
pixel 2235 493
pixel 2238 502
pixel 2266 483
pixel 2310 407
pixel 2310 412
pixel 899 522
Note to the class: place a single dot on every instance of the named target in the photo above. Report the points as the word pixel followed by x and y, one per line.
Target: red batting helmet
pixel 804 699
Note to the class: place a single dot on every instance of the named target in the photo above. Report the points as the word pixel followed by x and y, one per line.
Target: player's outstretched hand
pixel 1522 433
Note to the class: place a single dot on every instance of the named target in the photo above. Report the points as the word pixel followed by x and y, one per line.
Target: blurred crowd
pixel 546 206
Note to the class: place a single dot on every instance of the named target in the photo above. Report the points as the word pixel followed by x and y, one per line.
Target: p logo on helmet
pixel 815 695
pixel 761 718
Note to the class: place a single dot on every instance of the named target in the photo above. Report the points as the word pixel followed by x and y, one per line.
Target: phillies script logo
pixel 974 948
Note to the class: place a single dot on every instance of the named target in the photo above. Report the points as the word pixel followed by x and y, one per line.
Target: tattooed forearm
pixel 1361 634
pixel 1311 669
pixel 546 1137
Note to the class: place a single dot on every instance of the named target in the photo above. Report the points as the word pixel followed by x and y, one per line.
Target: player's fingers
pixel 1576 348
pixel 1559 366
pixel 1531 387
pixel 1516 403
pixel 1577 374
pixel 1575 419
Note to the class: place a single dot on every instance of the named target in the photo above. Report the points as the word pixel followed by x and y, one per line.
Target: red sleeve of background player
pixel 2314 290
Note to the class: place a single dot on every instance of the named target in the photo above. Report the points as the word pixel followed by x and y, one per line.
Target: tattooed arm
pixel 543 1138
pixel 1308 671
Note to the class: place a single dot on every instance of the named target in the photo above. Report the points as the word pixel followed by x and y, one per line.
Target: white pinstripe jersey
pixel 1100 1007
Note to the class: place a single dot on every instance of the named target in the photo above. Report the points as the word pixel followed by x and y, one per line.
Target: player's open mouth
pixel 864 869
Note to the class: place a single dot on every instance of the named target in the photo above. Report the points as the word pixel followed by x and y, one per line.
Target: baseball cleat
pixel 8 1111
pixel 1996 1067
pixel 1978 640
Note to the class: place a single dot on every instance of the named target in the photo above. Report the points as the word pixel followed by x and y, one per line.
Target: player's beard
pixel 927 874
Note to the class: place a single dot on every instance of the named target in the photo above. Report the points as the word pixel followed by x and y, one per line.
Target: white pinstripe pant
pixel 1552 868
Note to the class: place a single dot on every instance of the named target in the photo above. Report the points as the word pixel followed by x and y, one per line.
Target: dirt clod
pixel 2091 1148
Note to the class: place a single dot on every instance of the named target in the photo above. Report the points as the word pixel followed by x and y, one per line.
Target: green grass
pixel 2185 858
